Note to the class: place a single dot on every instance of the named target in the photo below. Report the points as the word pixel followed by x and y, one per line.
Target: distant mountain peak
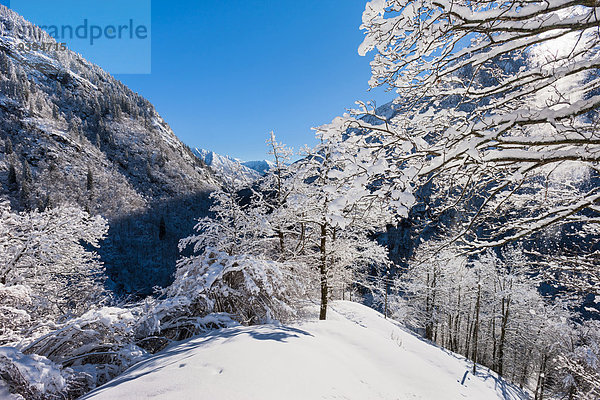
pixel 230 170
pixel 261 166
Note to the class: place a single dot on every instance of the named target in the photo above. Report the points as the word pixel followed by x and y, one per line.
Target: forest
pixel 468 209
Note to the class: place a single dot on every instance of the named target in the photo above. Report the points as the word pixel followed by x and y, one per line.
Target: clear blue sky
pixel 225 73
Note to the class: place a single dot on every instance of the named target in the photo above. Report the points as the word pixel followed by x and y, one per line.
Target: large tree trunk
pixel 323 250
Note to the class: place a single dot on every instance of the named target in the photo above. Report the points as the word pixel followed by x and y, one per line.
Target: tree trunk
pixel 323 250
pixel 539 390
pixel 457 324
pixel 281 242
pixel 505 314
pixel 524 372
pixel 430 304
pixel 476 328
pixel 468 336
pixel 494 341
pixel 385 311
pixel 450 343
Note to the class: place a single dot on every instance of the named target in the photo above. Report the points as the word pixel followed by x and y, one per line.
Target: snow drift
pixel 356 354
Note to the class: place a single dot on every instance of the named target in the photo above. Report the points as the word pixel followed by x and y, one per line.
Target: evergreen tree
pixel 8 148
pixel 55 111
pixel 26 186
pixel 89 181
pixel 162 228
pixel 12 178
pixel 4 63
pixel 27 177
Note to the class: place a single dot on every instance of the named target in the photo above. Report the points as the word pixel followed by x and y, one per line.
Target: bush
pixel 214 290
pixel 100 343
pixel 34 377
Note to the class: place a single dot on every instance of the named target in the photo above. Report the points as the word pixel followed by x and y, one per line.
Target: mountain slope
pixel 71 133
pixel 357 354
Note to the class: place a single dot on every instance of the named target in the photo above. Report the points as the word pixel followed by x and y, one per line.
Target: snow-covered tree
pixel 493 98
pixel 577 368
pixel 236 267
pixel 47 257
pixel 337 211
pixel 235 226
pixel 312 221
pixel 488 308
pixel 275 188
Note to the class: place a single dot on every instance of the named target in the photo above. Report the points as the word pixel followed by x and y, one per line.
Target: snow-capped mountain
pixel 261 166
pixel 230 170
pixel 71 133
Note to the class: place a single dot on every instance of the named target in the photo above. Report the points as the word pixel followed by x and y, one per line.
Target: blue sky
pixel 226 73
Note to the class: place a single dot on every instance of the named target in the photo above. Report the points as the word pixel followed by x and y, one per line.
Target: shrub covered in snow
pixel 48 270
pixel 34 377
pixel 99 343
pixel 249 288
pixel 167 320
pixel 13 316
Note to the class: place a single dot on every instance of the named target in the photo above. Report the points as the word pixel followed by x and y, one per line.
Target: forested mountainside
pixel 71 133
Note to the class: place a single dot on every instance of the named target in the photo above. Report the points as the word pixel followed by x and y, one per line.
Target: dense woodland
pixel 467 208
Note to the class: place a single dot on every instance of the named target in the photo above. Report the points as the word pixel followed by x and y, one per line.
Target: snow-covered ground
pixel 355 354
